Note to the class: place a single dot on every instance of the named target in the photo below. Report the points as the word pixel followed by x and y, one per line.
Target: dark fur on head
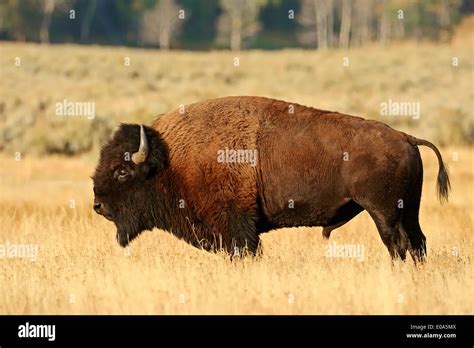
pixel 131 202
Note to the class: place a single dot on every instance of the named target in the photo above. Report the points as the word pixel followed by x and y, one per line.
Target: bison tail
pixel 443 184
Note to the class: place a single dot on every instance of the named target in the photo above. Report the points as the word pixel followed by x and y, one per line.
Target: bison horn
pixel 142 153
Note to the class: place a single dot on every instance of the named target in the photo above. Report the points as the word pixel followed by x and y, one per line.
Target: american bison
pixel 220 172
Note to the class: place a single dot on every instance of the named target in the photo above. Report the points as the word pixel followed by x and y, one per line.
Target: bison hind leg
pixel 392 232
pixel 411 225
pixel 344 214
pixel 417 240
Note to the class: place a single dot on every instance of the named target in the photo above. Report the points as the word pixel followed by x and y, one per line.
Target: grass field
pixel 46 201
pixel 81 269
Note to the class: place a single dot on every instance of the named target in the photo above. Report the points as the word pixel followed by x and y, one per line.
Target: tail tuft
pixel 443 185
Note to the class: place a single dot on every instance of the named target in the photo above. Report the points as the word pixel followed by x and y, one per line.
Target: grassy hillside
pixel 155 82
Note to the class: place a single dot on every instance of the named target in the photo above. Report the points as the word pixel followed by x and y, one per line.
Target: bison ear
pixel 158 150
pixel 156 155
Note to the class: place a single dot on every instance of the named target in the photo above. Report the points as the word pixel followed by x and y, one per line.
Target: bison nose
pixel 101 209
pixel 98 208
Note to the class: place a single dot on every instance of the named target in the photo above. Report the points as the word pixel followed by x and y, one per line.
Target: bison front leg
pixel 235 234
pixel 245 239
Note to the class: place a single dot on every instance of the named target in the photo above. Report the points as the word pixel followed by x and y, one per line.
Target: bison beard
pixel 128 230
pixel 314 168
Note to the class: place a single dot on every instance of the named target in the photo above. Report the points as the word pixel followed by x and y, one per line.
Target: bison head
pixel 125 178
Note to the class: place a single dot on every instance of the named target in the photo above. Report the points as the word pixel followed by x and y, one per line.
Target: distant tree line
pixel 234 24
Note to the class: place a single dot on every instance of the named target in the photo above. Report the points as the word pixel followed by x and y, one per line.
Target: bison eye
pixel 121 175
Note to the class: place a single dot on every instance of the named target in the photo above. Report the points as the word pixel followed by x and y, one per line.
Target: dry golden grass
pixel 81 269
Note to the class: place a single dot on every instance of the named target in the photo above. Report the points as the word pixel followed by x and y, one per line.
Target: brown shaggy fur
pixel 314 168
